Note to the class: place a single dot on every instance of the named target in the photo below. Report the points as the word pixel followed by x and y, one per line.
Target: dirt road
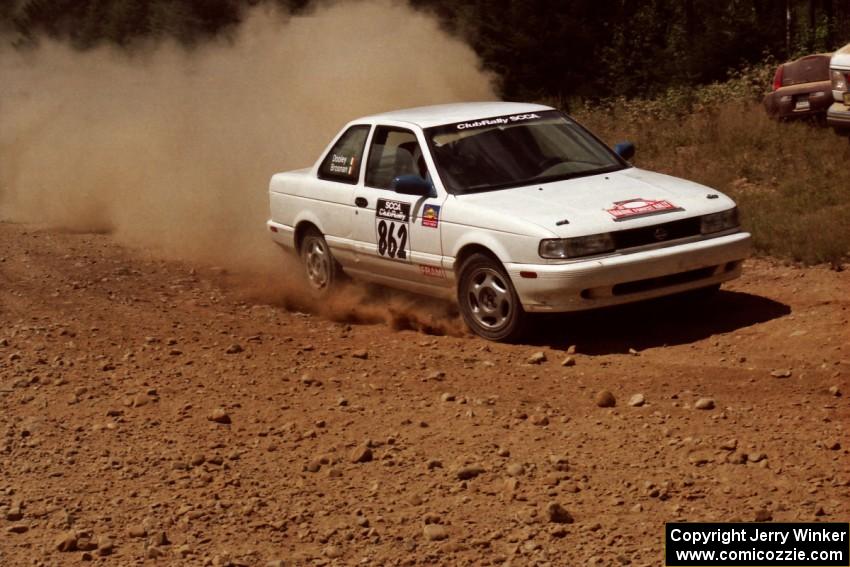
pixel 150 412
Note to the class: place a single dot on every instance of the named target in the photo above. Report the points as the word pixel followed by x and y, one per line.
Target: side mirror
pixel 412 185
pixel 625 150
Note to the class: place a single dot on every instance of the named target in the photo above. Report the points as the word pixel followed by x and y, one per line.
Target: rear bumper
pixel 838 115
pixel 630 277
pixel 282 234
pixel 799 101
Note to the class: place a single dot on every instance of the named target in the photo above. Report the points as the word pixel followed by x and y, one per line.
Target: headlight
pixel 718 222
pixel 558 248
pixel 839 80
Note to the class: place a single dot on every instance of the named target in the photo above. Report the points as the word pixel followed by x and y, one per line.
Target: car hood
pixel 624 199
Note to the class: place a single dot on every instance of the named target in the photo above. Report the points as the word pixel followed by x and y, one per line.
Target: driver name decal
pixel 342 165
pixel 632 208
pixel 392 227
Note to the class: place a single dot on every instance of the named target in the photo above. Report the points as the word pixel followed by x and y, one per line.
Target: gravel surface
pixel 151 411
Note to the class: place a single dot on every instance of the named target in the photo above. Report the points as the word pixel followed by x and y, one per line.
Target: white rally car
pixel 508 208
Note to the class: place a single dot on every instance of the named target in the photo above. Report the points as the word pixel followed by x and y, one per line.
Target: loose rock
pixel 557 514
pixel 235 348
pixel 332 552
pixel 361 454
pixel 559 463
pixel 469 472
pixel 18 529
pixel 539 420
pixel 605 399
pixel 66 542
pixel 637 400
pixel 104 546
pixel 538 357
pixel 515 469
pixel 783 373
pixel 704 404
pixel 435 532
pixel 219 415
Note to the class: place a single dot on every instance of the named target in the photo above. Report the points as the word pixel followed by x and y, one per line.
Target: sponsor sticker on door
pixel 431 216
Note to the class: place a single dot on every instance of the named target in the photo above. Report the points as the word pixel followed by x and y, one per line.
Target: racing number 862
pixel 392 240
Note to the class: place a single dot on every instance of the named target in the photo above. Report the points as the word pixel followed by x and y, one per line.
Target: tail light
pixel 777 78
pixel 839 81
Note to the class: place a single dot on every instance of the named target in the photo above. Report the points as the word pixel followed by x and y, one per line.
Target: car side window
pixel 343 161
pixel 393 152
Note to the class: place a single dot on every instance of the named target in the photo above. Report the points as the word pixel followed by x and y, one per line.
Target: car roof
pixel 436 115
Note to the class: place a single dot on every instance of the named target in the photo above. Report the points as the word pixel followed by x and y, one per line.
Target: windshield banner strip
pixel 497 121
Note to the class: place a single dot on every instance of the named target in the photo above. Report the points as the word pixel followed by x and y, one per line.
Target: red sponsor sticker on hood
pixel 640 207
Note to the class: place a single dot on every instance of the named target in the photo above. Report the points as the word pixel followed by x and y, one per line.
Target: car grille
pixel 656 233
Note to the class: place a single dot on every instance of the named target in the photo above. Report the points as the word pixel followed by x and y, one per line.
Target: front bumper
pixel 838 116
pixel 613 280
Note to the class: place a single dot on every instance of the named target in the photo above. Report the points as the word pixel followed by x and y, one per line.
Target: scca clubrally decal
pixel 392 225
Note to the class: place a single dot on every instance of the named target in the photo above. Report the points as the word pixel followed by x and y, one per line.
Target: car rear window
pixel 343 161
pixel 806 70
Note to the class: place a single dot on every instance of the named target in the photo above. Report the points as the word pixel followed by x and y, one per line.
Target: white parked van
pixel 838 115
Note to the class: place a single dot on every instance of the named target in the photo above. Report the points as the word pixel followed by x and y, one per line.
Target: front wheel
pixel 488 301
pixel 320 267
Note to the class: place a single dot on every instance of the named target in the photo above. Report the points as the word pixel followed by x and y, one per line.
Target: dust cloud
pixel 171 150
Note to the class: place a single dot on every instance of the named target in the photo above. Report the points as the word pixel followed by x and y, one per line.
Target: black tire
pixel 488 301
pixel 321 270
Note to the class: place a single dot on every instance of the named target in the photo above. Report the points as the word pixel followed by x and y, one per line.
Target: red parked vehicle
pixel 801 88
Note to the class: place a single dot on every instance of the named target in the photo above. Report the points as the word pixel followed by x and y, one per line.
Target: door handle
pixel 361 201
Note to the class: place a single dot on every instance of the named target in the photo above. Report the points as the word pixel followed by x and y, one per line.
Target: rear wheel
pixel 320 267
pixel 488 301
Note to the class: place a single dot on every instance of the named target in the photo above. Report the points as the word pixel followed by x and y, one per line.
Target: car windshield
pixel 511 151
